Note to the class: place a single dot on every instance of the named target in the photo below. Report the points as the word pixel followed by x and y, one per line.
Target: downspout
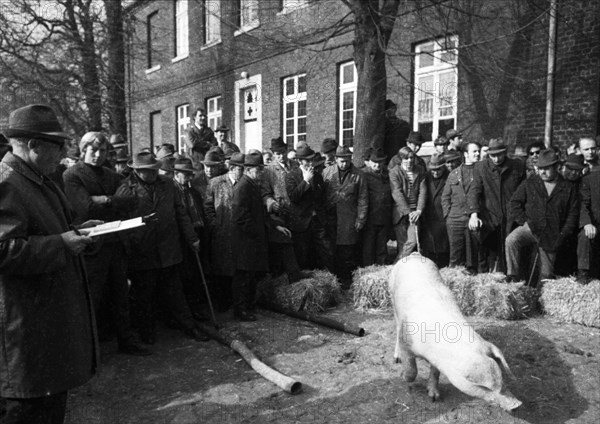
pixel 550 76
pixel 128 54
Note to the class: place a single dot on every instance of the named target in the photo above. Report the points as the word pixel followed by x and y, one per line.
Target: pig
pixel 430 325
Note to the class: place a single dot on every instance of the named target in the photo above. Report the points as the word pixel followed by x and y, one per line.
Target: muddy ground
pixel 346 379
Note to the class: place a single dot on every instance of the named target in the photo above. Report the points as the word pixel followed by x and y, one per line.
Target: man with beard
pixel 546 208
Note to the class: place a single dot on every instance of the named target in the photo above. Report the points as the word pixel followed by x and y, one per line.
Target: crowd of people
pixel 217 217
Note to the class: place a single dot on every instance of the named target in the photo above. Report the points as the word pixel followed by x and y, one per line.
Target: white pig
pixel 430 325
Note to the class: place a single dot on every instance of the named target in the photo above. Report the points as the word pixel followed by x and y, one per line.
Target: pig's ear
pixel 495 353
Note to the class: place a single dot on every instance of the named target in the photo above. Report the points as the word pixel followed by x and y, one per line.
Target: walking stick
pixel 537 255
pixel 212 311
pixel 417 236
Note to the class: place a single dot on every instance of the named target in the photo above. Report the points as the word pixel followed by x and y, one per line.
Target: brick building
pixel 285 67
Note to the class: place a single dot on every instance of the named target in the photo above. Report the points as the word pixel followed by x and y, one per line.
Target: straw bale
pixel 312 294
pixel 370 287
pixel 568 301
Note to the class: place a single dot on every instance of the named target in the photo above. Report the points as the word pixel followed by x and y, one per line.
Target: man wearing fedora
pixel 546 209
pixel 156 247
pixel 328 148
pixel 282 257
pixel 199 138
pixel 464 250
pixel 347 206
pixel 218 203
pixel 250 243
pixel 495 179
pixel 306 191
pixel 91 188
pixel 379 220
pixel 455 139
pixel 47 327
pixel 435 235
pixel 222 134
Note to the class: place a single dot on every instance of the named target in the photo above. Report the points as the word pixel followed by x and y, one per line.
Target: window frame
pixel 298 97
pixel 344 88
pixel 287 6
pixel 217 114
pixel 206 20
pixel 181 41
pixel 153 142
pixel 438 69
pixel 242 25
pixel 150 57
pixel 183 123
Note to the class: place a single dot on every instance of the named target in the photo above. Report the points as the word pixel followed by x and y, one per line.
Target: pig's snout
pixel 504 400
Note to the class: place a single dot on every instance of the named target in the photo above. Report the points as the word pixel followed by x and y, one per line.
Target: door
pixel 251 104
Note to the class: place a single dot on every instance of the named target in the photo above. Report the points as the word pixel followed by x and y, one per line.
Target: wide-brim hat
pixel 278 145
pixel 214 157
pixel 117 141
pixel 253 159
pixel 496 145
pixel 574 162
pixel 305 152
pixel 222 128
pixel 318 160
pixel 183 165
pixel 451 133
pixel 122 156
pixel 343 152
pixel 548 157
pixel 452 155
pixel 441 141
pixel 237 159
pixel 35 121
pixel 437 161
pixel 377 155
pixel 144 160
pixel 415 137
pixel 328 145
pixel 165 151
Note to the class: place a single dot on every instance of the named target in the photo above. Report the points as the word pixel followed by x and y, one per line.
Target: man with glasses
pixel 47 327
pixel 533 153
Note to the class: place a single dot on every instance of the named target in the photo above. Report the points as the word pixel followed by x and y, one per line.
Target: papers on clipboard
pixel 112 227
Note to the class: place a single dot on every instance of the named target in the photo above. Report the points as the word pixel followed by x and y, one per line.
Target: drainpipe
pixel 550 76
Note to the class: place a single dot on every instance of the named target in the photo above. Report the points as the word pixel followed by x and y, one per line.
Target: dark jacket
pixel 157 244
pixel 274 191
pixel 400 184
pixel 218 204
pixel 380 198
pixel 435 234
pixel 454 196
pixel 550 218
pixel 396 161
pixel 47 331
pixel 492 189
pixel 590 199
pixel 250 242
pixel 306 200
pixel 200 140
pixel 346 203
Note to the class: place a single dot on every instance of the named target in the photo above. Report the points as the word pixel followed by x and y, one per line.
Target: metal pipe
pixel 327 322
pixel 551 72
pixel 286 383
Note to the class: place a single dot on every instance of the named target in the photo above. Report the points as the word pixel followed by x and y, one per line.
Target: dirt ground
pixel 345 379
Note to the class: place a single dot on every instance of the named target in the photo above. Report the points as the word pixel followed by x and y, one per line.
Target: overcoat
pixel 274 190
pixel 249 239
pixel 550 218
pixel 157 244
pixel 218 204
pixel 380 198
pixel 306 200
pixel 48 342
pixel 454 196
pixel 200 140
pixel 399 182
pixel 346 203
pixel 590 199
pixel 435 234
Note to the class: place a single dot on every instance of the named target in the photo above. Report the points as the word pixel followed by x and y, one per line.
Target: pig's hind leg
pixel 433 383
pixel 406 357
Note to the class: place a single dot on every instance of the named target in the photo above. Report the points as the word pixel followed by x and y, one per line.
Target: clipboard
pixel 112 227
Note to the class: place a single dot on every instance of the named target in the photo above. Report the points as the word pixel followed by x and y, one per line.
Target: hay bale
pixel 312 294
pixel 462 285
pixel 370 287
pixel 568 301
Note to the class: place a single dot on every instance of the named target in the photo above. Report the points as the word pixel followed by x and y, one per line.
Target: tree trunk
pixel 117 120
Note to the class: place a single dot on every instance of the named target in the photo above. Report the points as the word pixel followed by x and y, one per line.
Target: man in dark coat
pixel 156 247
pixel 546 208
pixel 328 147
pixel 218 204
pixel 91 187
pixel 346 205
pixel 396 131
pixel 495 179
pixel 249 236
pixel 379 220
pixel 306 191
pixel 48 342
pixel 199 138
pixel 463 246
pixel 435 235
pixel 221 135
pixel 588 243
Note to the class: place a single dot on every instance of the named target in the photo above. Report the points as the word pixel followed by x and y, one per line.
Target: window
pixel 181 29
pixel 247 14
pixel 212 21
pixel 348 79
pixel 155 129
pixel 289 5
pixel 214 112
pixel 294 109
pixel 435 93
pixel 183 120
pixel 152 39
